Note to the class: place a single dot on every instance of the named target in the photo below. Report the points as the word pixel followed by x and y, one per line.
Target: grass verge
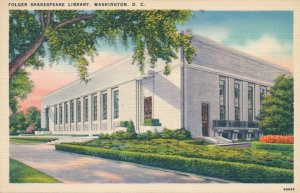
pixel 248 173
pixel 30 140
pixel 21 173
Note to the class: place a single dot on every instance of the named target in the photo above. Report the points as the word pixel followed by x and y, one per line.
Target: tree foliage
pixel 277 112
pixel 74 36
pixel 20 121
pixel 19 87
pixel 34 117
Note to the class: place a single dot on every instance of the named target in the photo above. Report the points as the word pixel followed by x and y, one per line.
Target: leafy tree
pixel 277 112
pixel 74 36
pixel 19 87
pixel 18 123
pixel 33 116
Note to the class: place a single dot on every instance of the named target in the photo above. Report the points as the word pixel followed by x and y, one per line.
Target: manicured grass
pixel 242 172
pixel 192 150
pixel 21 173
pixel 30 140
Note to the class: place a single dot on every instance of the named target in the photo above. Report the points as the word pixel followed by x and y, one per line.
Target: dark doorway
pixel 148 108
pixel 205 118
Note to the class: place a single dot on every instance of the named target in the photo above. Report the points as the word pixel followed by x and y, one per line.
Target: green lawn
pixel 21 173
pixel 30 139
pixel 189 150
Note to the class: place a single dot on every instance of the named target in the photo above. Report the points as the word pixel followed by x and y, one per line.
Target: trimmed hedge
pixel 279 159
pixel 248 173
pixel 273 146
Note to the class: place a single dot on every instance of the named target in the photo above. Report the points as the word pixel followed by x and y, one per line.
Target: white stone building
pixel 218 94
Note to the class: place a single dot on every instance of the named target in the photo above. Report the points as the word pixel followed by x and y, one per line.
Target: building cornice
pixel 237 53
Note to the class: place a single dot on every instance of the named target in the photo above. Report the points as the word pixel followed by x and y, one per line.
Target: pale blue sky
pixel 243 26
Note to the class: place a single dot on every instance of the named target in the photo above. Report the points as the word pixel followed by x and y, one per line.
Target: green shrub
pixel 179 134
pixel 122 135
pixel 248 173
pixel 131 130
pixel 167 134
pixel 182 134
pixel 104 136
pixel 148 135
pixel 273 146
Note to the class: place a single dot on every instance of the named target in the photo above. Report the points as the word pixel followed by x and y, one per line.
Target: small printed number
pixel 289 189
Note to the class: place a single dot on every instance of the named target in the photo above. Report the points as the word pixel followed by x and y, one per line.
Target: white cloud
pixel 269 48
pixel 216 33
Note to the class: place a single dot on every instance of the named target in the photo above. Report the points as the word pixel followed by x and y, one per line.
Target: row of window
pixel 237 99
pixel 82 110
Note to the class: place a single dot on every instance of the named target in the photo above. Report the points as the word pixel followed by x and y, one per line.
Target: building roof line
pixel 91 75
pixel 238 53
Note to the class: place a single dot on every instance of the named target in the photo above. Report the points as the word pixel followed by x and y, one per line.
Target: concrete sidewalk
pixel 76 168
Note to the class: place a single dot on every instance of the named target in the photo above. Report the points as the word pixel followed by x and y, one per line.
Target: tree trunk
pixel 17 63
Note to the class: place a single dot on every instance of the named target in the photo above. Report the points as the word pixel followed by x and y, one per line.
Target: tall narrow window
pixel 85 109
pixel 237 105
pixel 263 92
pixel 60 114
pixel 222 98
pixel 148 108
pixel 104 106
pixel 72 111
pixel 55 114
pixel 66 113
pixel 250 101
pixel 116 103
pixel 78 110
pixel 47 117
pixel 94 107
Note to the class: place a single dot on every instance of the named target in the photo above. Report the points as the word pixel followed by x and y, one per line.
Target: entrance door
pixel 148 108
pixel 205 118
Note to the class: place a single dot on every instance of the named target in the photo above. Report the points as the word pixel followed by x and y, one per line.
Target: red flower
pixel 277 139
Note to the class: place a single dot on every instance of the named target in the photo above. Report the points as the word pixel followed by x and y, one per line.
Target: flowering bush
pixel 277 139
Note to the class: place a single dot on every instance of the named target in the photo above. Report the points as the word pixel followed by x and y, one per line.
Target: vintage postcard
pixel 149 96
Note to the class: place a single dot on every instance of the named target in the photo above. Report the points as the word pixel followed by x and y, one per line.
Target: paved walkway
pixel 75 168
